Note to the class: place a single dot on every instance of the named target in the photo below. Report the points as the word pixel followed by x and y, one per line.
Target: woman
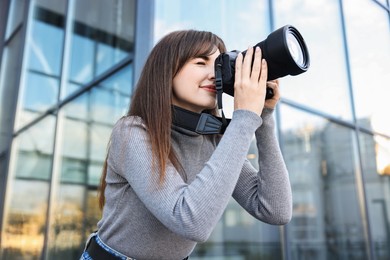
pixel 164 187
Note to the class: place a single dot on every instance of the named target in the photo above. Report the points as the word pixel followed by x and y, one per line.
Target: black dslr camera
pixel 286 54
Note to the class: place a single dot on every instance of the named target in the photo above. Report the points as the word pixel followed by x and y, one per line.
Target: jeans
pixel 86 256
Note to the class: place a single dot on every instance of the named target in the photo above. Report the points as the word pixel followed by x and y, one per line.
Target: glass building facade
pixel 67 72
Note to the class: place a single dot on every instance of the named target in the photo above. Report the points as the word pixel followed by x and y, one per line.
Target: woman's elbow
pixel 275 215
pixel 278 219
pixel 284 219
pixel 284 214
pixel 199 237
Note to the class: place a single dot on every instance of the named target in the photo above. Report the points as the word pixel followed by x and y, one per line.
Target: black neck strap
pixel 219 87
pixel 203 123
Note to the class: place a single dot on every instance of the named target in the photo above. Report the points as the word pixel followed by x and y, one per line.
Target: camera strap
pixel 203 123
pixel 218 81
pixel 219 88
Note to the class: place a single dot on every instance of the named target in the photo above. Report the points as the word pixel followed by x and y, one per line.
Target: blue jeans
pixel 86 256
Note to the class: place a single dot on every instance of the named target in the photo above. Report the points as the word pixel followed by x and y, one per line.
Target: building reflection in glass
pixel 40 84
pixel 377 185
pixel 51 203
pixel 327 220
pixel 28 193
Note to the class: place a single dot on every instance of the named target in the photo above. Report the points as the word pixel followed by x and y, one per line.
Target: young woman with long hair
pixel 164 187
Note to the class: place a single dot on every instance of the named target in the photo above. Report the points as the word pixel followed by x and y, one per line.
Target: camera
pixel 284 50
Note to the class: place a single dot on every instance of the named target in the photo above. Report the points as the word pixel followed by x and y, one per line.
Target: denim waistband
pixel 94 237
pixel 110 250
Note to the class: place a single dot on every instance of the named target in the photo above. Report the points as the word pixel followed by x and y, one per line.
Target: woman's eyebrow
pixel 205 57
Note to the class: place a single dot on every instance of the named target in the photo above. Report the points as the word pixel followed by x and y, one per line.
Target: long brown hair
pixel 152 100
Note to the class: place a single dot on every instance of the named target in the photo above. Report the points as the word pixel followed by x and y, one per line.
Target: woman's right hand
pixel 250 81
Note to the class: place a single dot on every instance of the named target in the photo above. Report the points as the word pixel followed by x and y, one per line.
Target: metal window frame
pixel 22 29
pixel 4 10
pixel 144 34
pixel 386 7
pixel 4 7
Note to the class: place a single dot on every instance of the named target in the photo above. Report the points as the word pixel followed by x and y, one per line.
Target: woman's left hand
pixel 271 103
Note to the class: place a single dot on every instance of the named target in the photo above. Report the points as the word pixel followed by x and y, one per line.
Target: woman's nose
pixel 211 73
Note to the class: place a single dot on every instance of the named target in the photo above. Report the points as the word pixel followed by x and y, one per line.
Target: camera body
pixel 284 50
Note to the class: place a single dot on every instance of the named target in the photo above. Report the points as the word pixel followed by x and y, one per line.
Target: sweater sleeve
pixel 266 194
pixel 190 210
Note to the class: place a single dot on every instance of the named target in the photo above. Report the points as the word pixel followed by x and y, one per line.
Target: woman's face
pixel 194 85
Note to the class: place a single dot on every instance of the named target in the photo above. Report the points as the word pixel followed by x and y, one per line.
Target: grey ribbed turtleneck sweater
pixel 147 220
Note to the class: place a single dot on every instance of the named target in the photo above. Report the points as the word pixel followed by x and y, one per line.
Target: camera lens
pixel 295 49
pixel 284 49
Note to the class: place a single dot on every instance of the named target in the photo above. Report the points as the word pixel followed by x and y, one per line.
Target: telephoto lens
pixel 284 50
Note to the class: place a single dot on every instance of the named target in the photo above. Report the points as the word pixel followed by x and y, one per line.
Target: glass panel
pixel 46 42
pixel 112 91
pixel 97 44
pixel 40 82
pixel 375 152
pixel 41 93
pixel 82 149
pixel 34 151
pixel 384 3
pixel 368 43
pixel 107 55
pixel 95 171
pixel 74 150
pixel 239 24
pixel 325 85
pixel 99 144
pixel 326 222
pixel 78 108
pixel 27 192
pixel 69 212
pixel 81 70
pixel 92 214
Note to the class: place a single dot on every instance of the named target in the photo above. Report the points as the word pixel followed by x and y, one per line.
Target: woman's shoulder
pixel 130 121
pixel 127 124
